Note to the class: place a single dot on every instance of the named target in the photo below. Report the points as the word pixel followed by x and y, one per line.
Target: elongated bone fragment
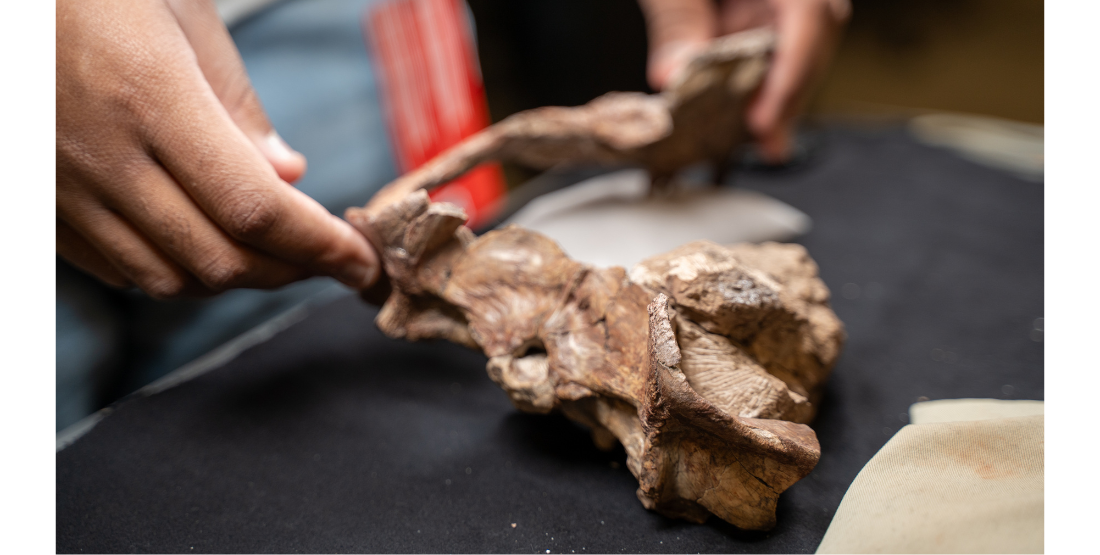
pixel 704 363
pixel 698 118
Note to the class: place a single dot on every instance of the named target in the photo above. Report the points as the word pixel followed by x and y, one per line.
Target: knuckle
pixel 157 280
pixel 226 271
pixel 128 95
pixel 250 215
pixel 163 287
pixel 90 165
pixel 132 167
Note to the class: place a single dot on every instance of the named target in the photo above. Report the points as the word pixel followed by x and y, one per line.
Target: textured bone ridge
pixel 705 363
pixel 698 118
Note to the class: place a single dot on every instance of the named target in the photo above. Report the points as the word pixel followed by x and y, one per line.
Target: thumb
pixel 221 64
pixel 678 30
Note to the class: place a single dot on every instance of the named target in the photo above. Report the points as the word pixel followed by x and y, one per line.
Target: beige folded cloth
pixel 965 477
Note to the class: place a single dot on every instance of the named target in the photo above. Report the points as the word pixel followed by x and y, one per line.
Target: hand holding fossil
pixel 807 30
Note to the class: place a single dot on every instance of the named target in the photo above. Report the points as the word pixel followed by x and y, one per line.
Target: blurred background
pixel 898 58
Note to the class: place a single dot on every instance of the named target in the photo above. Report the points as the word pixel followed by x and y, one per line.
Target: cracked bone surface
pixel 698 118
pixel 705 362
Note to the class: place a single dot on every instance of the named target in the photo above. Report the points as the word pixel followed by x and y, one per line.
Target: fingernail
pixel 276 147
pixel 359 276
pixel 355 217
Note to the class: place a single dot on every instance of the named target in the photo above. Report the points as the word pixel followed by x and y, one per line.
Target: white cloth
pixel 610 220
pixel 965 477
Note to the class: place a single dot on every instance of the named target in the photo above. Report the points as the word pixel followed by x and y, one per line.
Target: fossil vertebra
pixel 704 362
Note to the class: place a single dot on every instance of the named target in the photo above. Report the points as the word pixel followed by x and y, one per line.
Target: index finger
pixel 197 140
pixel 806 32
pixel 677 30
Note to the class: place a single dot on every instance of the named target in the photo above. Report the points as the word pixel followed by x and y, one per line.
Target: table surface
pixel 330 437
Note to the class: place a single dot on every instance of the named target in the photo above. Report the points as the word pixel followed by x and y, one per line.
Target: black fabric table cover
pixel 333 438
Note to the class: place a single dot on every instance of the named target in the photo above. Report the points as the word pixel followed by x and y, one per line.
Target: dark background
pixel 897 56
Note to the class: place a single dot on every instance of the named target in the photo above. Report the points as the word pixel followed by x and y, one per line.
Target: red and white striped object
pixel 432 93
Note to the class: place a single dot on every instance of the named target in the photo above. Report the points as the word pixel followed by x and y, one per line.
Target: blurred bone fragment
pixel 699 118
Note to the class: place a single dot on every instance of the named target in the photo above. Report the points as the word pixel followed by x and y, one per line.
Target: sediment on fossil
pixel 704 363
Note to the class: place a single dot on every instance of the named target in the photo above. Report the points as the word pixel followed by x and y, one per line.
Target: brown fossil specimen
pixel 704 362
pixel 698 118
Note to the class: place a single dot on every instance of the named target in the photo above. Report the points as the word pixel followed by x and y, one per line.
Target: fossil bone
pixel 697 119
pixel 705 362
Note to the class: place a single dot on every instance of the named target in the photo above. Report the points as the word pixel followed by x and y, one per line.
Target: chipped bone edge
pixel 672 410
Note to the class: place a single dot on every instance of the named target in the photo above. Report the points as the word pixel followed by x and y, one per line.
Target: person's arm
pixel 169 174
pixel 807 29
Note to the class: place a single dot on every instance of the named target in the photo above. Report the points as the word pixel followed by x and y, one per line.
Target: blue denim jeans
pixel 308 62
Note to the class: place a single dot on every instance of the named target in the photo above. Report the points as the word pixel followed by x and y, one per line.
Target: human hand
pixel 807 31
pixel 169 174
